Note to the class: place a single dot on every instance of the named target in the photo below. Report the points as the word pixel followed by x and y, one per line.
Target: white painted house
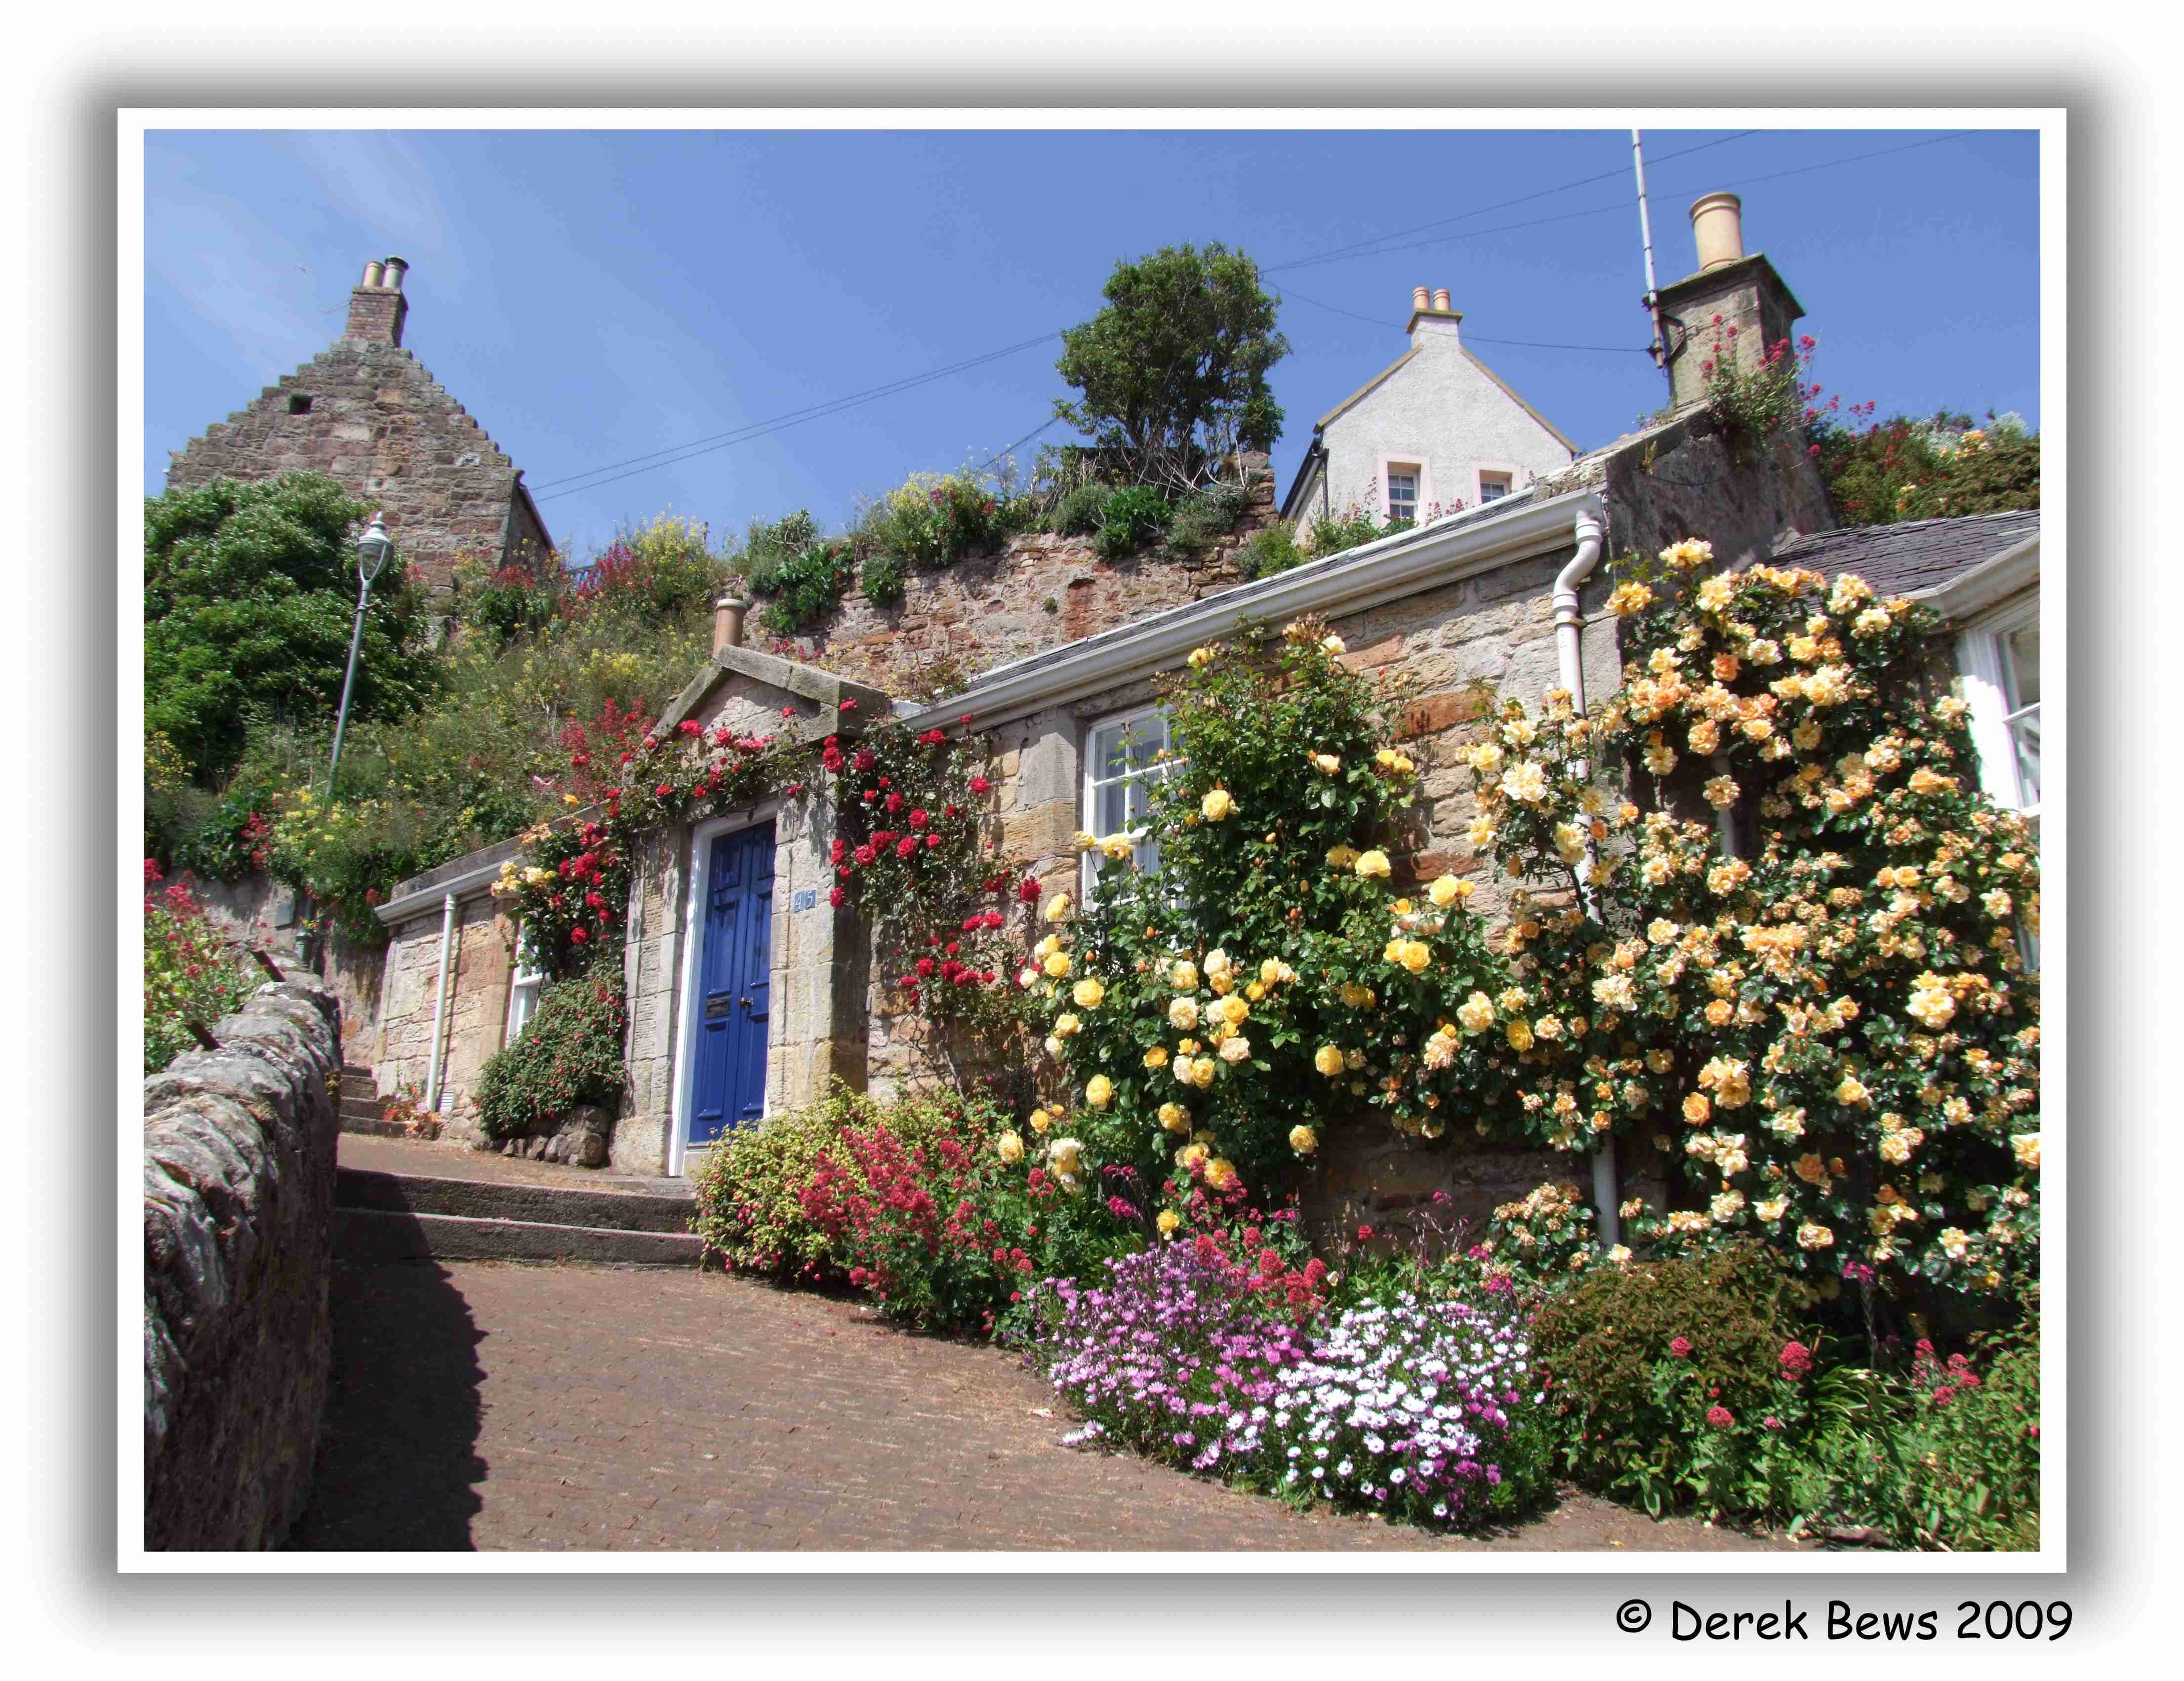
pixel 1435 429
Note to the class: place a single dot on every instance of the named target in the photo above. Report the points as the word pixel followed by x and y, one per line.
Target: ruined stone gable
pixel 366 413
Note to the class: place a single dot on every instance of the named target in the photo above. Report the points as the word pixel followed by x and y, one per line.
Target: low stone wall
pixel 238 1199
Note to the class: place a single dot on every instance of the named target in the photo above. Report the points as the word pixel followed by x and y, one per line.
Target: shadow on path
pixel 398 1466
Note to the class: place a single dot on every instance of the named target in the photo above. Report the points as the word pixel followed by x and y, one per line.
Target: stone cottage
pixel 366 413
pixel 750 994
pixel 1436 429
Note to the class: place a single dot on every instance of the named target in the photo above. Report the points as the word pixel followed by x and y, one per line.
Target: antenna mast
pixel 1658 348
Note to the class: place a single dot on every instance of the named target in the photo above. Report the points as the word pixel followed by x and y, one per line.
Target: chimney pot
pixel 728 621
pixel 372 271
pixel 396 268
pixel 1440 299
pixel 1718 226
pixel 1418 300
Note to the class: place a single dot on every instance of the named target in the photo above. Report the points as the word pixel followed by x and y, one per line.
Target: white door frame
pixel 695 891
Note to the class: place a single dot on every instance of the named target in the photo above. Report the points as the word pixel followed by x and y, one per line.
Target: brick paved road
pixel 496 1405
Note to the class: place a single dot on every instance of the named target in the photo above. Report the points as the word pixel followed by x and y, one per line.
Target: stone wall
pixel 260 914
pixel 481 962
pixel 238 1199
pixel 383 427
pixel 1037 593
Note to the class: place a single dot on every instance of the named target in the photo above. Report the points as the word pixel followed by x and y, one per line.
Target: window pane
pixel 1110 807
pixel 2024 737
pixel 2024 646
pixel 1107 752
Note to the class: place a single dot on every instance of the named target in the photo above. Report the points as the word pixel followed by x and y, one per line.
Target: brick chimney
pixel 1729 290
pixel 376 306
pixel 1431 317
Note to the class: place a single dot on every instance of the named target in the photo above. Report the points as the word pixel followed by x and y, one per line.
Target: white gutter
pixel 1401 564
pixel 1570 653
pixel 440 1001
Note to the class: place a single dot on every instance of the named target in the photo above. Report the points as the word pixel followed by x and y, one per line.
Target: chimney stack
pixel 1718 225
pixel 1733 306
pixel 1431 315
pixel 728 621
pixel 377 307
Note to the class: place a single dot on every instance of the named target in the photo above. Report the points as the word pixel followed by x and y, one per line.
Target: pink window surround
pixel 1517 475
pixel 1406 464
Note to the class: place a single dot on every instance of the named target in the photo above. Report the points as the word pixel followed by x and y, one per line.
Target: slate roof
pixel 1914 557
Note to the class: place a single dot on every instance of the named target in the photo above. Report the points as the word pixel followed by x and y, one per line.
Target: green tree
pixel 1173 373
pixel 250 596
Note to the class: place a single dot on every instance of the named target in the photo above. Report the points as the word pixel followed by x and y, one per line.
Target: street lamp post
pixel 372 549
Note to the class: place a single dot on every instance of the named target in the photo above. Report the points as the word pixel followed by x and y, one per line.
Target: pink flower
pixel 1720 1417
pixel 1796 1359
pixel 1679 1347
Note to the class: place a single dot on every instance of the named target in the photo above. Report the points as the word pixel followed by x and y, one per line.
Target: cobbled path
pixel 493 1405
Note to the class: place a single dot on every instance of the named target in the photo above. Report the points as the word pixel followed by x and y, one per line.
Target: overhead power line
pixel 673 455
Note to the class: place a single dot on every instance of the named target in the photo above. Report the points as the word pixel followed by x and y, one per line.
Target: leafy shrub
pixel 1271 550
pixel 1081 511
pixel 882 579
pixel 190 974
pixel 1132 519
pixel 1902 469
pixel 769 545
pixel 1429 1410
pixel 1205 516
pixel 569 1053
pixel 1334 534
pixel 509 601
pixel 912 1201
pixel 1665 1373
pixel 657 573
pixel 807 587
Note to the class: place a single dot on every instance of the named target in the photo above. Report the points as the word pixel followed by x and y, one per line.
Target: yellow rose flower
pixel 1373 866
pixel 1064 1025
pixel 1088 993
pixel 1328 1060
pixel 1056 964
pixel 1217 805
pixel 1182 1014
pixel 1201 1072
pixel 1168 1219
pixel 1698 1109
pixel 2025 1146
pixel 1303 1140
pixel 1445 891
pixel 1417 956
pixel 1220 1173
pixel 1040 1121
pixel 1341 857
pixel 1099 1091
pixel 1116 848
pixel 1327 764
pixel 1156 1057
pixel 1011 1145
pixel 1183 976
pixel 1331 643
pixel 1174 1118
pixel 1476 1013
pixel 1520 1035
pixel 1526 783
pixel 1200 658
pixel 1057 908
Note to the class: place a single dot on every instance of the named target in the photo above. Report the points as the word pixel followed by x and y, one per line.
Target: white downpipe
pixel 1569 652
pixel 440 1002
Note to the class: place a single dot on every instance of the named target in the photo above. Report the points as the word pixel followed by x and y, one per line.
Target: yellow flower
pixel 1326 763
pixel 1182 1014
pixel 1328 1060
pixel 1415 955
pixel 1057 908
pixel 1056 964
pixel 1811 1236
pixel 1526 783
pixel 1201 1072
pixel 1303 1140
pixel 570 799
pixel 1156 1057
pixel 1174 1118
pixel 1011 1145
pixel 1629 599
pixel 1099 1091
pixel 1040 1121
pixel 1852 1093
pixel 1445 891
pixel 1200 658
pixel 1341 857
pixel 2025 1146
pixel 1476 1013
pixel 1116 848
pixel 1220 1173
pixel 1168 1221
pixel 1520 1035
pixel 1088 993
pixel 1184 976
pixel 1217 805
pixel 1064 1026
pixel 1332 644
pixel 1273 971
pixel 1373 866
pixel 1698 1109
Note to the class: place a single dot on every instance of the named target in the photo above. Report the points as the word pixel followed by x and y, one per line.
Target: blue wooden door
pixel 735 964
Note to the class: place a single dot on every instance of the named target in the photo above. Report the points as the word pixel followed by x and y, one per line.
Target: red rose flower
pixel 835 897
pixel 980 785
pixel 1679 1347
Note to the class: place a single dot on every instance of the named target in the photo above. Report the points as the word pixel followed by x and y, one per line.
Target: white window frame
pixel 1419 469
pixel 1983 666
pixel 1511 470
pixel 1088 875
pixel 524 988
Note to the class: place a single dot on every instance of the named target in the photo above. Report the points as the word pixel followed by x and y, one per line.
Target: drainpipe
pixel 1569 652
pixel 440 1001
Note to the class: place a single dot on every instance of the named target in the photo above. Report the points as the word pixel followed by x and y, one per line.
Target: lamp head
pixel 372 549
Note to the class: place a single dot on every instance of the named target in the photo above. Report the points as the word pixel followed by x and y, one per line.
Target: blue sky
pixel 594 296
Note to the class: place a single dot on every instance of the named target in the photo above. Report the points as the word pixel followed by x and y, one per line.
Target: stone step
pixel 372 1124
pixel 372 1235
pixel 364 1189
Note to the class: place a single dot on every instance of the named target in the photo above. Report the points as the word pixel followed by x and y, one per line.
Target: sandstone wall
pixel 481 962
pixel 383 427
pixel 259 913
pixel 239 1195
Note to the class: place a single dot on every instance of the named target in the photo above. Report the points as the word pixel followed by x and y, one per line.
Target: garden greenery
pixel 569 1053
pixel 191 973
